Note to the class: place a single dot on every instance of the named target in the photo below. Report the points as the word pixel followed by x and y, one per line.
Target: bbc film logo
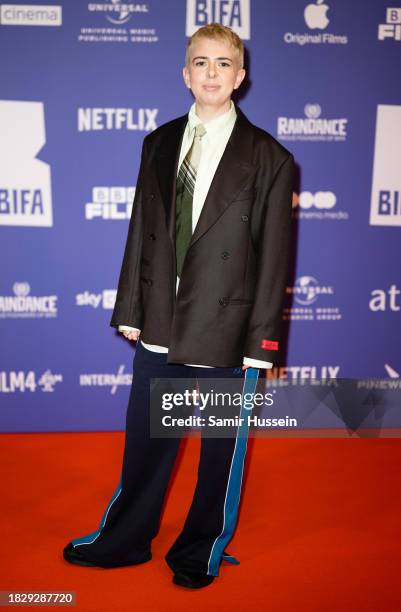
pixel 110 203
pixel 392 28
pixel 30 15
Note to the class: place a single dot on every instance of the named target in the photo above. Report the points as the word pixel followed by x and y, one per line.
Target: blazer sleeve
pixel 262 340
pixel 128 308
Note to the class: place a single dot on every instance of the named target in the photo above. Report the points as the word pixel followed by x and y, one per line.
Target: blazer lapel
pixel 233 172
pixel 167 158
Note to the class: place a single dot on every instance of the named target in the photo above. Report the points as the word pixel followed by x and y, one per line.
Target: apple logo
pixel 315 15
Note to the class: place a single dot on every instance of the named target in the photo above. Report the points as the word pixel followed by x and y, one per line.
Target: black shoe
pixel 73 555
pixel 192 580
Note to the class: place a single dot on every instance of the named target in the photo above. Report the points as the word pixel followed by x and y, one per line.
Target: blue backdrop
pixel 83 83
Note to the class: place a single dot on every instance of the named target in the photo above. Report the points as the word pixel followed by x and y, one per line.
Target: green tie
pixel 184 197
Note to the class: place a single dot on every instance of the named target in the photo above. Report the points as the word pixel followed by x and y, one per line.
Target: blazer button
pixel 244 218
pixel 149 282
pixel 152 236
pixel 223 301
pixel 152 196
pixel 225 255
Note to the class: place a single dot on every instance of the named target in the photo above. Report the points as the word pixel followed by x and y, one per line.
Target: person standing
pixel 201 289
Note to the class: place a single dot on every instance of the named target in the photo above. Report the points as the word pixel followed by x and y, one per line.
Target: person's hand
pixel 245 367
pixel 132 335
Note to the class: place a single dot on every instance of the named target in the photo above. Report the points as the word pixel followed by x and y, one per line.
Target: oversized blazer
pixel 230 296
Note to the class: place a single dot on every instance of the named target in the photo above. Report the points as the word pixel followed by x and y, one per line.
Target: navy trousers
pixel 131 519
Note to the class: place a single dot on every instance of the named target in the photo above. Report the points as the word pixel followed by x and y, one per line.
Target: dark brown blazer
pixel 232 286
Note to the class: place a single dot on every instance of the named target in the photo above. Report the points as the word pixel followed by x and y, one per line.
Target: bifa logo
pixel 383 300
pixel 110 203
pixel 23 305
pixel 30 15
pixel 107 299
pixel 232 13
pixel 392 27
pixel 13 382
pixel 95 119
pixel 385 204
pixel 25 182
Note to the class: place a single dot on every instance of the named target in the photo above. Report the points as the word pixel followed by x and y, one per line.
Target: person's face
pixel 213 72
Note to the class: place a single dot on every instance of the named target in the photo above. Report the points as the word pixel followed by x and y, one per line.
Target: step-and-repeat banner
pixel 82 83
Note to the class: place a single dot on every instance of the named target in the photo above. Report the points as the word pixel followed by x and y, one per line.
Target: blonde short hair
pixel 216 31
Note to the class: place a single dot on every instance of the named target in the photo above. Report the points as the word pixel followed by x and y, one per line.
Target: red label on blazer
pixel 269 345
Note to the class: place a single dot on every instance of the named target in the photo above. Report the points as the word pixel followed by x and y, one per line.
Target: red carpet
pixel 319 525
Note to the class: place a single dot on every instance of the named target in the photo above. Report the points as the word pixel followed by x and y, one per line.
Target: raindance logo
pixel 306 292
pixel 313 127
pixel 392 27
pixel 319 205
pixel 23 305
pixel 106 380
pixel 11 382
pixel 107 298
pixel 110 203
pixel 118 14
pixel 315 16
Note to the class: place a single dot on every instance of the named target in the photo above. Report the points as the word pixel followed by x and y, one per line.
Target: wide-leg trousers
pixel 131 519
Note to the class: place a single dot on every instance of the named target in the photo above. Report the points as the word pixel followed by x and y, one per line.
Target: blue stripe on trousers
pixel 91 537
pixel 234 482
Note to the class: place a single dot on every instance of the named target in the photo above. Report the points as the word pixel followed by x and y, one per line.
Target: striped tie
pixel 184 197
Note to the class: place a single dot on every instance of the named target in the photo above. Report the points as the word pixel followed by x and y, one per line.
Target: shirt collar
pixel 214 126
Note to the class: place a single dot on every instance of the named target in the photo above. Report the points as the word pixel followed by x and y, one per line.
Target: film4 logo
pixel 13 381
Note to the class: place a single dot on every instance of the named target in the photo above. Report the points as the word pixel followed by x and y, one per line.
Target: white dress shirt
pixel 214 142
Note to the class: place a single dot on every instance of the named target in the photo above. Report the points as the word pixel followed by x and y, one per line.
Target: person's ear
pixel 185 74
pixel 239 78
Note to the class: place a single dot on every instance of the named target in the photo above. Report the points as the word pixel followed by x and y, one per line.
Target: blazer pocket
pixel 235 302
pixel 246 194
